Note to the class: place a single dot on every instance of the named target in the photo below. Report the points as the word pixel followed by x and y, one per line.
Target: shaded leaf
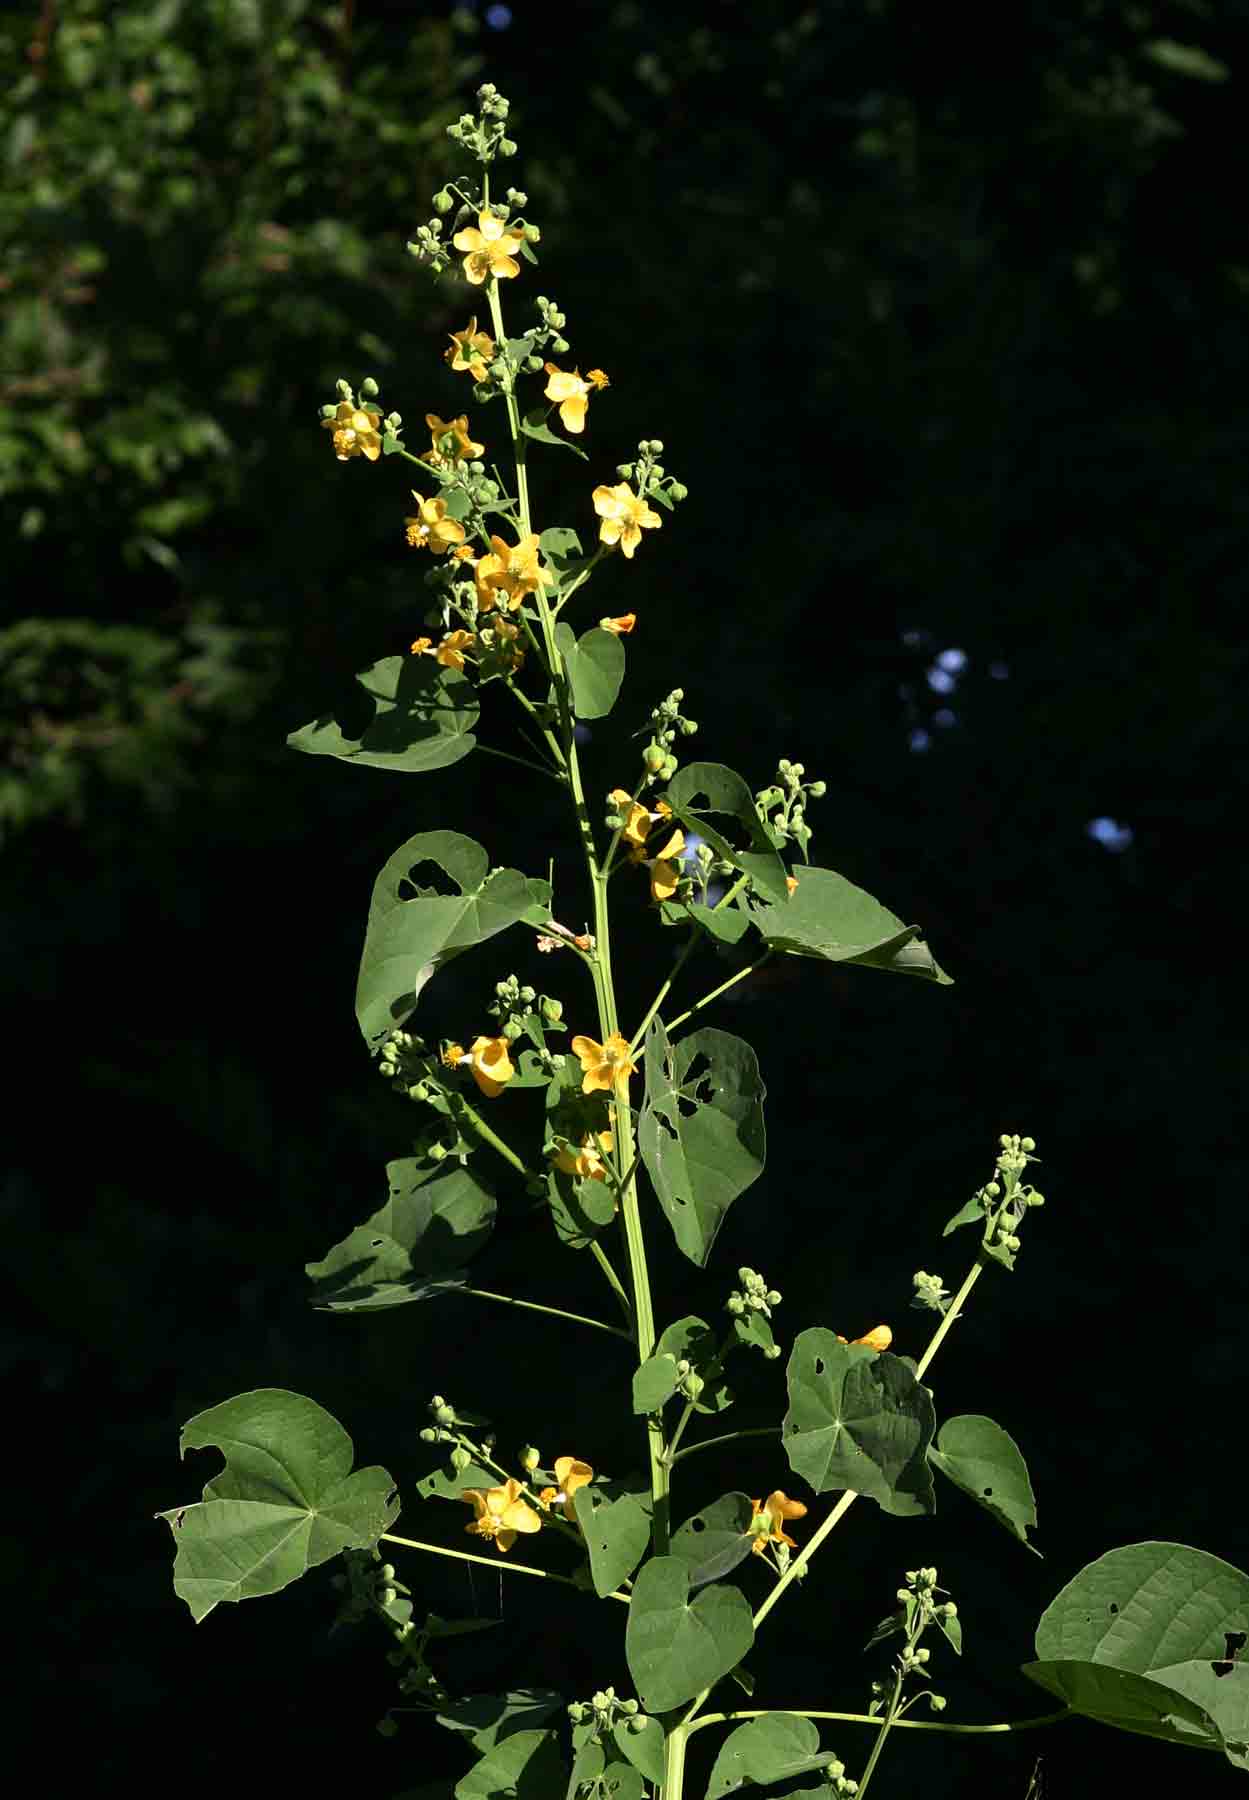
pixel 1125 1699
pixel 831 919
pixel 703 788
pixel 676 1647
pixel 701 1134
pixel 449 1483
pixel 641 1739
pixel 983 1460
pixel 487 1719
pixel 692 1340
pixel 534 426
pixel 525 1766
pixel 286 1500
pixel 423 719
pixel 714 1541
pixel 858 1419
pixel 579 1209
pixel 654 1382
pixel 433 1220
pixel 412 931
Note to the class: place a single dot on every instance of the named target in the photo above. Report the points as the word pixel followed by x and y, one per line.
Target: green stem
pixel 556 1312
pixel 885 1726
pixel 604 1262
pixel 952 1312
pixel 492 1562
pixel 729 1437
pixel 489 1136
pixel 844 1718
pixel 687 950
pixel 523 761
pixel 671 1024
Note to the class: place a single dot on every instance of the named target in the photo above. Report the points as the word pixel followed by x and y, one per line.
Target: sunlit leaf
pixel 773 1748
pixel 829 918
pixel 423 719
pixel 702 789
pixel 858 1419
pixel 676 1647
pixel 434 1219
pixel 596 664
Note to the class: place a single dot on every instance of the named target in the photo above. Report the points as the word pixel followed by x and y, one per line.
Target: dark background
pixel 943 323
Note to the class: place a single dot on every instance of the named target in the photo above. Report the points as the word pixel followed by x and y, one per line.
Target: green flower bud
pixel 429 1435
pixel 654 758
pixel 937 1702
pixel 460 1457
pixel 625 469
pixel 552 1010
pixel 386 1727
pixel 387 1572
pixel 818 789
pixel 774 1299
pixel 437 1152
pixel 736 1305
pixel 529 1459
pixel 678 490
pixel 559 345
pixel 689 727
pixel 683 1367
pixel 1035 1199
pixel 445 1414
pixel 517 198
pixel 443 202
pixel 533 234
pixel 1027 1143
pixel 576 1712
pixel 772 1352
pixel 507 147
pixel 629 1708
pixel 694 1385
pixel 637 1722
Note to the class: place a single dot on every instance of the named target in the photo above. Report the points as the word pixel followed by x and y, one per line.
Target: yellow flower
pixel 624 516
pixel 791 883
pixel 878 1338
pixel 471 350
pixel 571 1475
pixel 501 1513
pixel 355 431
pixel 431 529
pixel 491 1065
pixel 454 1053
pixel 487 248
pixel 450 652
pixel 666 868
pixel 572 393
pixel 767 1524
pixel 637 821
pixel 588 1161
pixel 512 569
pixel 621 626
pixel 504 634
pixel 422 646
pixel 604 1066
pixel 449 440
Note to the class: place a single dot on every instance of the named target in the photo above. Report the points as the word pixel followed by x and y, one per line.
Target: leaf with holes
pixel 700 789
pixel 858 1419
pixel 286 1500
pixel 423 718
pixel 435 1218
pixel 450 1483
pixel 579 1209
pixel 525 1766
pixel 983 1460
pixel 692 1340
pixel 714 1541
pixel 413 931
pixel 1126 1700
pixel 676 1647
pixel 616 1527
pixel 828 918
pixel 486 1719
pixel 700 1152
pixel 773 1748
pixel 596 664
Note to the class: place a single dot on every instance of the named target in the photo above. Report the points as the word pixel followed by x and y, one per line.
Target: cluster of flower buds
pixel 649 476
pixel 510 1005
pixel 357 426
pixel 403 1059
pixel 485 136
pixel 754 1296
pixel 690 1383
pixel 783 806
pixel 666 724
pixel 931 1292
pixel 601 1711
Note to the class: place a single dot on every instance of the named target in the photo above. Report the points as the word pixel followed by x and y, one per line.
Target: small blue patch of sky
pixel 498 18
pixel 952 661
pixel 1110 834
pixel 919 739
pixel 1000 671
pixel 941 681
pixel 945 718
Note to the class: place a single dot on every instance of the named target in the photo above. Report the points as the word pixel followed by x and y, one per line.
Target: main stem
pixel 601 966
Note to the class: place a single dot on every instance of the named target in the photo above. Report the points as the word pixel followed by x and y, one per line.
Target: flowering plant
pixel 651 1119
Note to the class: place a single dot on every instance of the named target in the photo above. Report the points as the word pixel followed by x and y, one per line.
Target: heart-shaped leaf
pixel 413 931
pixel 676 1647
pixel 1145 1607
pixel 715 1540
pixel 701 1135
pixel 858 1419
pixel 692 1340
pixel 596 664
pixel 641 1739
pixel 828 918
pixel 654 1382
pixel 773 1748
pixel 286 1500
pixel 422 719
pixel 434 1219
pixel 525 1766
pixel 983 1460
pixel 616 1532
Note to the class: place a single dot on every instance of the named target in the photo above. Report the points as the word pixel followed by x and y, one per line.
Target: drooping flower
pixel 571 1475
pixel 449 441
pixel 491 1065
pixel 637 820
pixel 621 626
pixel 605 1066
pixel 471 350
pixel 624 516
pixel 572 393
pixel 450 652
pixel 509 569
pixel 488 248
pixel 878 1338
pixel 501 1513
pixel 355 431
pixel 431 529
pixel 666 868
pixel 767 1522
pixel 588 1161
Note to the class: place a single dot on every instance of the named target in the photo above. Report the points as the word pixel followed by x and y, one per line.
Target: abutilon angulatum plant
pixel 627 1125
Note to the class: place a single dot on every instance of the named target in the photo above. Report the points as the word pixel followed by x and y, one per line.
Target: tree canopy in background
pixel 945 328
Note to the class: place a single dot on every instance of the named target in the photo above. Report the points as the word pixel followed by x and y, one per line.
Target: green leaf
pixel 580 1210
pixel 828 918
pixel 692 1340
pixel 616 1531
pixel 285 1501
pixel 423 719
pixel 596 664
pixel 971 1214
pixel 413 931
pixel 534 426
pixel 488 1719
pixel 700 788
pixel 773 1748
pixel 434 1220
pixel 1185 59
pixel 450 1483
pixel 641 1740
pixel 753 1328
pixel 983 1460
pixel 654 1382
pixel 701 1134
pixel 1221 1689
pixel 558 542
pixel 728 924
pixel 858 1419
pixel 1129 1701
pixel 714 1541
pixel 1145 1607
pixel 676 1647
pixel 525 1766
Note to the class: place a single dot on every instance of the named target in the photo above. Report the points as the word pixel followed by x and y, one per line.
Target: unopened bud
pixel 460 1457
pixel 529 1459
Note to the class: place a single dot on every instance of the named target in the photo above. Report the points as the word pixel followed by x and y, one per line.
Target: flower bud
pixel 368 388
pixel 1035 1199
pixel 507 147
pixel 625 469
pixel 429 1435
pixel 678 490
pixel 460 1457
pixel 818 789
pixel 529 1459
pixel 443 201
pixel 533 234
pixel 654 758
pixel 1027 1143
pixel 559 345
pixel 386 1572
pixel 444 1414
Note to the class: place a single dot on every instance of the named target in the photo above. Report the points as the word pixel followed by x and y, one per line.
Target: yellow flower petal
pixel 622 626
pixel 605 1066
pixel 492 1066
